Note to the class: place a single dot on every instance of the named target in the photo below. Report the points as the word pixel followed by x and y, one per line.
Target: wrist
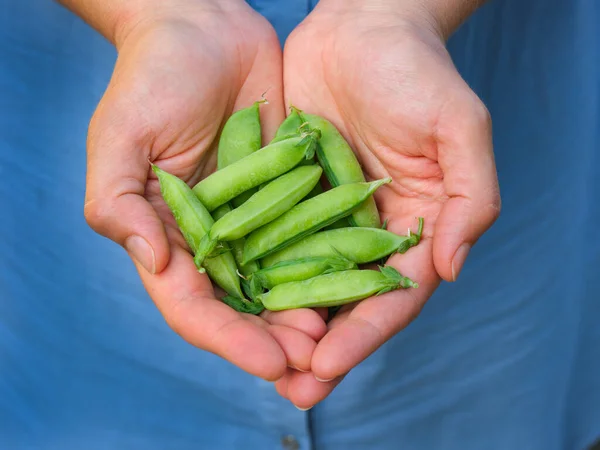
pixel 441 16
pixel 116 19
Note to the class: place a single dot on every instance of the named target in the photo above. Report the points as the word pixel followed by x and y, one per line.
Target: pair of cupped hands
pixel 381 75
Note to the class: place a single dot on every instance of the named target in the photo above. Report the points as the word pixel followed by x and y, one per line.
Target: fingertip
pixel 150 247
pixel 459 259
pixel 459 226
pixel 306 320
pixel 327 365
pixel 282 383
pixel 140 250
pixel 296 345
pixel 304 391
pixel 253 349
pixel 190 308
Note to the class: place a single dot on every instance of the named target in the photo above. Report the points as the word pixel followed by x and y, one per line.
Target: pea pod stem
pixel 413 238
pixel 242 305
pixel 289 127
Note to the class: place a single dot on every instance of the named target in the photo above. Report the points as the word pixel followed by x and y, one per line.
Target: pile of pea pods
pixel 287 224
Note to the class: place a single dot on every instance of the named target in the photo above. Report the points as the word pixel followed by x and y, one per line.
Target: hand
pixel 384 78
pixel 182 69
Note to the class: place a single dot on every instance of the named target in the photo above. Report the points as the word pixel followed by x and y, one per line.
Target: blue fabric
pixel 507 358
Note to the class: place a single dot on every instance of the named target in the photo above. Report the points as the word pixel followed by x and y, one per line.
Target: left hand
pixel 385 79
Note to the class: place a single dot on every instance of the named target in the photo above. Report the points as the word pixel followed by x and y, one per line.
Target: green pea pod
pixel 241 136
pixel 341 166
pixel 279 196
pixel 261 166
pixel 308 217
pixel 237 245
pixel 194 221
pixel 243 197
pixel 297 270
pixel 341 223
pixel 361 245
pixel 242 305
pixel 318 189
pixel 289 127
pixel 334 289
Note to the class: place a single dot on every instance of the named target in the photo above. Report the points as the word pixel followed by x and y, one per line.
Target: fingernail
pixel 142 252
pixel 303 409
pixel 299 370
pixel 459 260
pixel 322 380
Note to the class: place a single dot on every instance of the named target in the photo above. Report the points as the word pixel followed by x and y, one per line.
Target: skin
pixel 308 217
pixel 380 72
pixel 173 87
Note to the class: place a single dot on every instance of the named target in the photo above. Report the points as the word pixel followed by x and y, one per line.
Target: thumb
pixel 118 149
pixel 465 155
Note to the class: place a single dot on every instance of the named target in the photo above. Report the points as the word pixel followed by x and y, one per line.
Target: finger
pixel 281 384
pixel 357 333
pixel 304 391
pixel 186 300
pixel 297 346
pixel 115 206
pixel 465 155
pixel 306 320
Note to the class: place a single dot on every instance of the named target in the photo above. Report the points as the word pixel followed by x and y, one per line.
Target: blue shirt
pixel 506 358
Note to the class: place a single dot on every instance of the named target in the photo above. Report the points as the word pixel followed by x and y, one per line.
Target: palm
pixel 391 91
pixel 173 88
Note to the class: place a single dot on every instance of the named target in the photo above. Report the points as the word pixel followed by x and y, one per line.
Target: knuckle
pixel 480 115
pixel 175 316
pixel 179 315
pixel 494 207
pixel 96 212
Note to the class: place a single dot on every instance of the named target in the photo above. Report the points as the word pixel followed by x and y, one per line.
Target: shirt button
pixel 289 442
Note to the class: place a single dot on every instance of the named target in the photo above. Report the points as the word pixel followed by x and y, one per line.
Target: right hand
pixel 183 67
